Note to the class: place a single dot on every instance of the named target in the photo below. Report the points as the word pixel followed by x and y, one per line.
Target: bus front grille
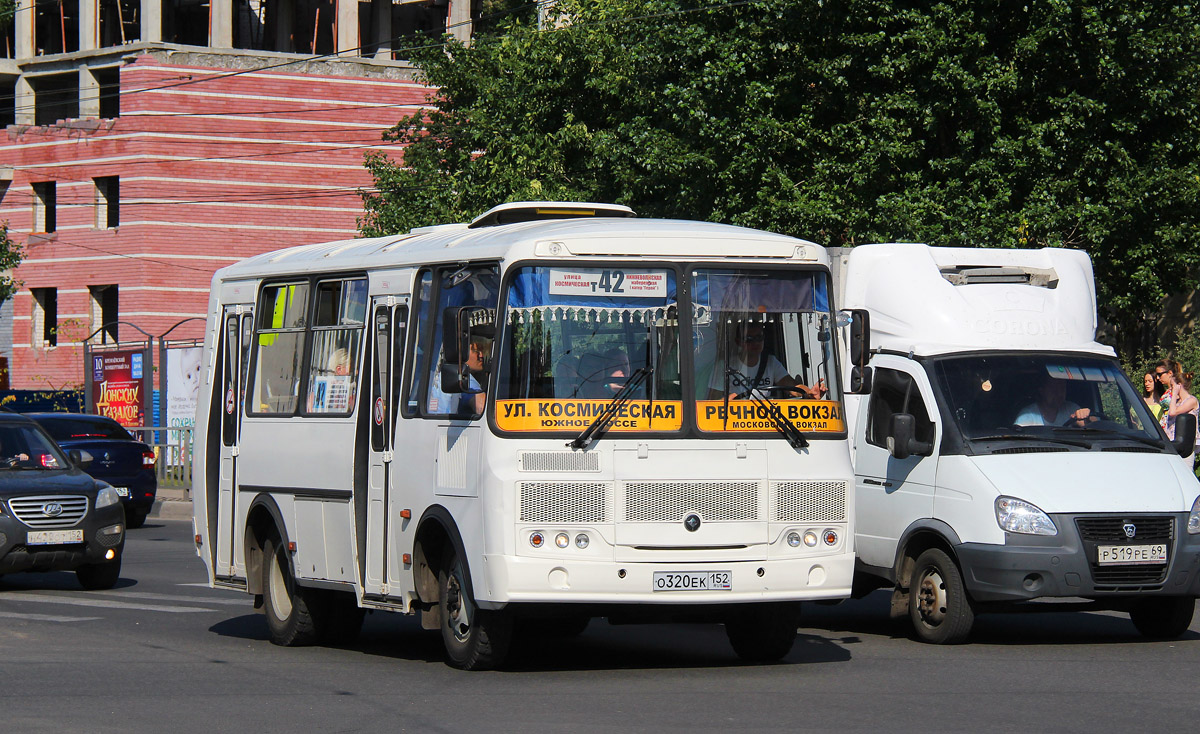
pixel 810 501
pixel 568 502
pixel 672 501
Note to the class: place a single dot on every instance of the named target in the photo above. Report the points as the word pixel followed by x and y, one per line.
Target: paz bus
pixel 547 415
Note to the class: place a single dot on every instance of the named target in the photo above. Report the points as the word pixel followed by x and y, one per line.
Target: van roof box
pixel 939 300
pixel 532 211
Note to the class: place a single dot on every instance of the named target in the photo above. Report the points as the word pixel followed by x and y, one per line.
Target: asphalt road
pixel 162 652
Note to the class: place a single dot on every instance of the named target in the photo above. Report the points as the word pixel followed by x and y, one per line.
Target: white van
pixel 1000 453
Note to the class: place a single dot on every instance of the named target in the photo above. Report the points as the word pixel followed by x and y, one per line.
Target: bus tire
pixel 289 608
pixel 99 576
pixel 474 638
pixel 1163 617
pixel 938 605
pixel 763 633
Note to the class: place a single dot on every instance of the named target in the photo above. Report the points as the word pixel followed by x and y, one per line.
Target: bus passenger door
pixel 236 328
pixel 379 556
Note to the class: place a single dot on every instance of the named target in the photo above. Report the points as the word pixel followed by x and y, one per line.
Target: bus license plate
pixel 1132 555
pixel 53 537
pixel 692 581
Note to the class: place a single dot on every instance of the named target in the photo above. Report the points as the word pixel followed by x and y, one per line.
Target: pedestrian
pixel 1153 396
pixel 1179 399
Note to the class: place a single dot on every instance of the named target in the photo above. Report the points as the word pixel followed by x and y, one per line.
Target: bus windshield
pixel 574 337
pixel 576 334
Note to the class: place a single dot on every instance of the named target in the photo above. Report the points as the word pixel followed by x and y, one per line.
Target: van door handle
pixel 877 483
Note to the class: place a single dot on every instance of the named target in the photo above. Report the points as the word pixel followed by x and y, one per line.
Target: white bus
pixel 555 412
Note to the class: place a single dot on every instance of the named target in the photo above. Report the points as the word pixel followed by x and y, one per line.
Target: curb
pixel 171 504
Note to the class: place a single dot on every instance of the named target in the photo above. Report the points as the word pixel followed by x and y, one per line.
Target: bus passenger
pixel 759 370
pixel 475 395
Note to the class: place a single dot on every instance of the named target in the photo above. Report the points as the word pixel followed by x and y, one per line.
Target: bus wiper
pixel 1026 437
pixel 781 424
pixel 610 411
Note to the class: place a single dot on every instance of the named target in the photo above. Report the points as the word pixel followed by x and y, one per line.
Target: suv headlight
pixel 1019 516
pixel 1194 518
pixel 107 496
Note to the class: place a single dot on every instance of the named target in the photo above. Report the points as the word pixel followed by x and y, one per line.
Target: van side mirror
pixel 1185 434
pixel 901 437
pixel 860 380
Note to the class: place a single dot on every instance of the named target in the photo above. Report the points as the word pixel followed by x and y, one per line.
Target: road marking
pixel 46 617
pixel 176 597
pixel 20 596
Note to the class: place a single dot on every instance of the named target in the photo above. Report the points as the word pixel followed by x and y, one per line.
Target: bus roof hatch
pixel 530 211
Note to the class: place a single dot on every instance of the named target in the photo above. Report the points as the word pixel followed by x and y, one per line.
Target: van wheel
pixel 1163 617
pixel 938 604
pixel 763 633
pixel 289 608
pixel 99 576
pixel 474 638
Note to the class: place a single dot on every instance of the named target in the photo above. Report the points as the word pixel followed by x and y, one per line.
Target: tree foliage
pixel 968 123
pixel 10 257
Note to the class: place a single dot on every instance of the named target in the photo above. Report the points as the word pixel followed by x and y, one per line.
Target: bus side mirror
pixel 1185 434
pixel 860 337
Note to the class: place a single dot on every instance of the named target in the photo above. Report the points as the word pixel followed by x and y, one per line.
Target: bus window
pixel 340 312
pixel 457 287
pixel 420 333
pixel 276 373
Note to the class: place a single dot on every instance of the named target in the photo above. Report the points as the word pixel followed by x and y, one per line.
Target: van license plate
pixel 53 537
pixel 692 581
pixel 1132 555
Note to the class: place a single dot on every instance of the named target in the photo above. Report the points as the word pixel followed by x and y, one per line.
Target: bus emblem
pixel 692 523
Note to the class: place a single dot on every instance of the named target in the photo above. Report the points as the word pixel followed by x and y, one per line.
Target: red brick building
pixel 131 171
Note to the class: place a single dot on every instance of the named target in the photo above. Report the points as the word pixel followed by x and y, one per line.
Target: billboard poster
pixel 183 390
pixel 118 388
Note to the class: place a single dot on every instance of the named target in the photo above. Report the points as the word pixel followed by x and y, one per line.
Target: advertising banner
pixel 183 390
pixel 118 388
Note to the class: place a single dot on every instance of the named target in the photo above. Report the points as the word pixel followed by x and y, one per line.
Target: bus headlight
pixel 581 541
pixel 1019 516
pixel 810 539
pixel 562 540
pixel 793 539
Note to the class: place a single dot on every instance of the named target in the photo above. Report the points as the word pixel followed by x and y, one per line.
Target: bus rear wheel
pixel 474 638
pixel 289 608
pixel 763 633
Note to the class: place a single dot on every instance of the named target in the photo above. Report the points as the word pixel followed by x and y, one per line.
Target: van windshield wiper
pixel 610 411
pixel 1026 437
pixel 785 427
pixel 1113 435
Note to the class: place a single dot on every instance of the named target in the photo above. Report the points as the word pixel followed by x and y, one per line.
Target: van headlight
pixel 1019 516
pixel 107 496
pixel 1194 518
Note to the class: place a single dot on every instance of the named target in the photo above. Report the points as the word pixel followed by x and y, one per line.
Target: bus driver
pixel 759 370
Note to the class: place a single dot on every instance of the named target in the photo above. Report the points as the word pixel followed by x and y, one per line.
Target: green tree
pixel 10 257
pixel 983 123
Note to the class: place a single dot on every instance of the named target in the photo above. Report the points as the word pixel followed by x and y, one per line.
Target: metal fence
pixel 173 447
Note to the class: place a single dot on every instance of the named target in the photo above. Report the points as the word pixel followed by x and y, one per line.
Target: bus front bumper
pixel 514 579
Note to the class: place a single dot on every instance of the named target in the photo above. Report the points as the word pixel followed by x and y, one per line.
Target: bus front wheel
pixel 763 633
pixel 290 618
pixel 474 638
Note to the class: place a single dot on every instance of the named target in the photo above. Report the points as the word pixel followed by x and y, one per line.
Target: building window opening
pixel 108 80
pixel 55 97
pixel 108 202
pixel 185 21
pixel 56 26
pixel 8 102
pixel 45 214
pixel 398 26
pixel 312 27
pixel 45 315
pixel 8 31
pixel 120 22
pixel 250 24
pixel 104 311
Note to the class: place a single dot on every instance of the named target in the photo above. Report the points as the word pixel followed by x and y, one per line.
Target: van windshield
pixel 1051 397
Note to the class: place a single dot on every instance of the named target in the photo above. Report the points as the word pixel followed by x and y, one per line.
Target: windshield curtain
pixel 762 333
pixel 576 335
pixel 994 396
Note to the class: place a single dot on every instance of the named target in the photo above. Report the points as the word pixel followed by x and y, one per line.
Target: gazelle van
pixel 1001 456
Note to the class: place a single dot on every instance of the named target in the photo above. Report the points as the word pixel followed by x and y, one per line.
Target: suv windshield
pixel 575 336
pixel 1054 398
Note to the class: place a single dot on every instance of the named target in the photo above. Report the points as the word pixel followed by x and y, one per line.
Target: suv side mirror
pixel 1185 434
pixel 901 437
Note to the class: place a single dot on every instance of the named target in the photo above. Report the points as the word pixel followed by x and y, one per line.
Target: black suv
pixel 54 516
